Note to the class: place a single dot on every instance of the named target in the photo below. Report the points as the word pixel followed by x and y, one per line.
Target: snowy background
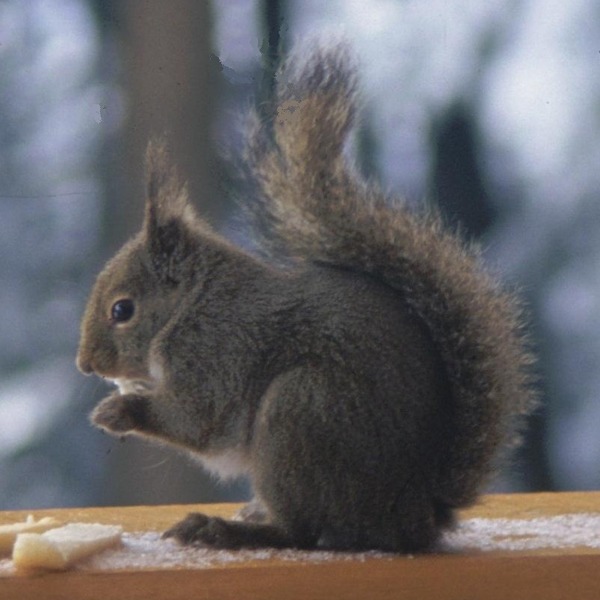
pixel 510 88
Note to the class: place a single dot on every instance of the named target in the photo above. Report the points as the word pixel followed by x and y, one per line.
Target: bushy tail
pixel 316 208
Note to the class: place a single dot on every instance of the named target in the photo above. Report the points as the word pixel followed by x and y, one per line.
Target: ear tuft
pixel 166 194
pixel 169 214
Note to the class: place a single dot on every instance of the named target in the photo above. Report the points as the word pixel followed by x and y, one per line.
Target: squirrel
pixel 366 384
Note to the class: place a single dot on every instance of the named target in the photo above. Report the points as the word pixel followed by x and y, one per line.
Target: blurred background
pixel 489 109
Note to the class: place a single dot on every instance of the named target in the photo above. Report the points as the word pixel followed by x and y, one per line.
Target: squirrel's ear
pixel 168 214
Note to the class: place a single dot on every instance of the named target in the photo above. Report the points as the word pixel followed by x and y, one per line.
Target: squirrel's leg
pixel 355 485
pixel 253 512
pixel 214 532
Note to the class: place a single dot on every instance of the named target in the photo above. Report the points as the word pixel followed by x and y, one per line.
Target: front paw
pixel 202 530
pixel 122 414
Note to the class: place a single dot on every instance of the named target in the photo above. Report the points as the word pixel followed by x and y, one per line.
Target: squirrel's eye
pixel 122 310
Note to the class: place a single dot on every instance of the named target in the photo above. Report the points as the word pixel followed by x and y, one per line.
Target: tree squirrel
pixel 366 387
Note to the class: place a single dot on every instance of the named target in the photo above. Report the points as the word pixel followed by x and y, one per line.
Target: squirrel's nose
pixel 84 365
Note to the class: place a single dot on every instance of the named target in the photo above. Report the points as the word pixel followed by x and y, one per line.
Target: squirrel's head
pixel 138 290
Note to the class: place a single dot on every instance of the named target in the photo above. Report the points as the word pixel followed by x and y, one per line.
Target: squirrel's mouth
pixel 133 386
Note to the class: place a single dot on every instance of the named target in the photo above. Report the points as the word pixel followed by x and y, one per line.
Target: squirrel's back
pixel 315 208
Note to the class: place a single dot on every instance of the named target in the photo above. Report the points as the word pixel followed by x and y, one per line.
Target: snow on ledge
pixel 146 550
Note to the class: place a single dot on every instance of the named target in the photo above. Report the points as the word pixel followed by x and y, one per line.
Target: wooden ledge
pixel 512 565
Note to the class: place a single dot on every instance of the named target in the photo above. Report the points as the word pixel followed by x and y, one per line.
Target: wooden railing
pixel 530 546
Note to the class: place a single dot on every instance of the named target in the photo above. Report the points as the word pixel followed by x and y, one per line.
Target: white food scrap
pixel 9 532
pixel 60 548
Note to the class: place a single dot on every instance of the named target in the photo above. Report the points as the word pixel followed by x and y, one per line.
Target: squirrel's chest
pixel 231 463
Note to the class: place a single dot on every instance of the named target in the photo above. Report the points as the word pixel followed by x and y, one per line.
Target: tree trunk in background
pixel 457 183
pixel 274 25
pixel 170 87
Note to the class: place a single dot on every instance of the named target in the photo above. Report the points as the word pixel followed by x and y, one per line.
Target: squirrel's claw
pixel 198 528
